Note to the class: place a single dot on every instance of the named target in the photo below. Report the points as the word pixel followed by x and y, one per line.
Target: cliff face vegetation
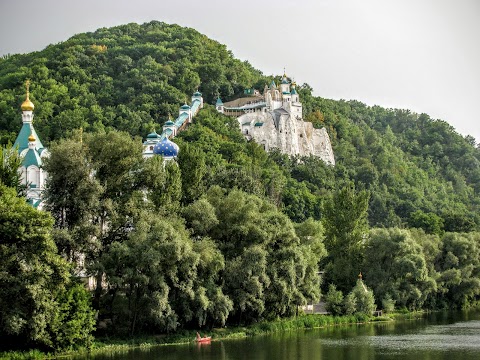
pixel 232 234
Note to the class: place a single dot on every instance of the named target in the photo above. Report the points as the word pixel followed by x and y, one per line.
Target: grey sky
pixel 422 55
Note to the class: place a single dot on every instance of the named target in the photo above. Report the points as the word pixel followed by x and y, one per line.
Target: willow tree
pixel 10 161
pixel 93 192
pixel 39 304
pixel 396 267
pixel 71 195
pixel 346 226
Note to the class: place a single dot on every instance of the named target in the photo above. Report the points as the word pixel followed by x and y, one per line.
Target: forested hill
pixel 127 77
pixel 419 171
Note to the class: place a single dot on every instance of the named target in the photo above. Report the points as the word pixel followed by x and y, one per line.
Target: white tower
pixel 284 86
pixel 219 105
pixel 197 95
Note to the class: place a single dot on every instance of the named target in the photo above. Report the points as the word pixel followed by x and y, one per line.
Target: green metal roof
pixel 197 93
pixel 286 93
pixel 32 158
pixel 166 134
pixel 34 202
pixel 185 107
pixel 195 105
pixel 219 101
pixel 169 123
pixel 293 92
pixel 152 135
pixel 22 138
pixel 180 120
pixel 273 83
pixel 259 124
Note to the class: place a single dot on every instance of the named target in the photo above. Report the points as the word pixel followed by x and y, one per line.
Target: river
pixel 452 336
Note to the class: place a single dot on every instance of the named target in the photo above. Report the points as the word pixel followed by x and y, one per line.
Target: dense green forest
pixel 232 234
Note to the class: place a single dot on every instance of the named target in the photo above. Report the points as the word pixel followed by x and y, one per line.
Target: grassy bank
pixel 109 345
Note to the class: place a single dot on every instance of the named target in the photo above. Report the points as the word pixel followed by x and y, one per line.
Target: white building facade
pixel 275 121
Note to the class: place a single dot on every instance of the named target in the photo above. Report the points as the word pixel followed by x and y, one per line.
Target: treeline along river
pixel 449 336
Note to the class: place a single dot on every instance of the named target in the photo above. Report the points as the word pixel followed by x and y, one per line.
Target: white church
pixel 274 120
pixel 33 153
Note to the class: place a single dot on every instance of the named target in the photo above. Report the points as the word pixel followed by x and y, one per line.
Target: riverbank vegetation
pixel 124 345
pixel 229 235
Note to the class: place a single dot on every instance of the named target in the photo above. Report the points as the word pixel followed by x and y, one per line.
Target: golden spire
pixel 31 138
pixel 27 105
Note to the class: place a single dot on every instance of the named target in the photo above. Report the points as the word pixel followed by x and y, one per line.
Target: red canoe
pixel 203 340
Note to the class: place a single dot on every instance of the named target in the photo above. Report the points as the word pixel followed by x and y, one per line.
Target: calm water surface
pixel 439 336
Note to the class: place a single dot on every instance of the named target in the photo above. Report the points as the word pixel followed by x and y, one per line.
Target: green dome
pixel 152 135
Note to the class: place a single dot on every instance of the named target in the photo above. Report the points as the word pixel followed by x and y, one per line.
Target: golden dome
pixel 31 138
pixel 27 105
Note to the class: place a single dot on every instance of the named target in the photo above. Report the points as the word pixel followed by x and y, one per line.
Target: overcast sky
pixel 422 55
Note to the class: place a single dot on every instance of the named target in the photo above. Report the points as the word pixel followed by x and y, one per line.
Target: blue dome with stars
pixel 166 148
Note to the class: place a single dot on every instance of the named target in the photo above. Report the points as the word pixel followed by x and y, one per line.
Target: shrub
pixel 350 304
pixel 388 304
pixel 334 300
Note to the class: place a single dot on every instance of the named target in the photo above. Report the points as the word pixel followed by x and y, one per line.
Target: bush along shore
pixel 118 345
